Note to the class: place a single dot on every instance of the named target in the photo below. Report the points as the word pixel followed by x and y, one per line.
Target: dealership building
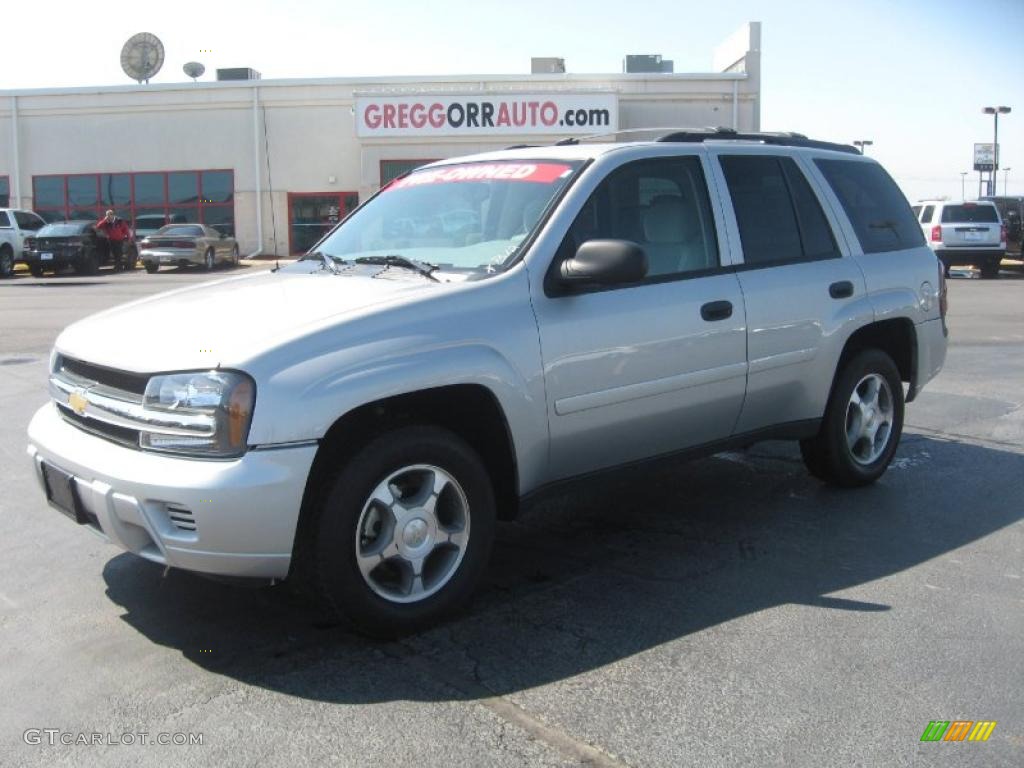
pixel 277 162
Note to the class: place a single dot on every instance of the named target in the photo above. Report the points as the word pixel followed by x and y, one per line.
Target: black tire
pixel 235 258
pixel 335 572
pixel 88 263
pixel 990 269
pixel 209 260
pixel 828 455
pixel 36 269
pixel 131 256
pixel 151 268
pixel 6 261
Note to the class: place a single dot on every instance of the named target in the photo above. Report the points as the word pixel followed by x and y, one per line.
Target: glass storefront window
pixel 116 189
pixel 82 191
pixel 165 195
pixel 392 169
pixel 149 189
pixel 218 186
pixel 48 192
pixel 220 217
pixel 182 188
pixel 5 192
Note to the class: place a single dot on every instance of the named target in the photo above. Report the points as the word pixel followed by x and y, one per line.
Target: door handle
pixel 841 290
pixel 716 310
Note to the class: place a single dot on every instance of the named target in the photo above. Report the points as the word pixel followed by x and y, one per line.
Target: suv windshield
pixel 469 216
pixel 981 214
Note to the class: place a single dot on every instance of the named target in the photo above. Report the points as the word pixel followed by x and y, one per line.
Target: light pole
pixel 963 180
pixel 995 112
pixel 1006 179
pixel 862 143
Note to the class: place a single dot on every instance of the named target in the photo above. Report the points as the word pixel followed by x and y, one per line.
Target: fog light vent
pixel 181 517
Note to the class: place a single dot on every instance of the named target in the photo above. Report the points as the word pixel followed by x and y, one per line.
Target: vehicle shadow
pixel 588 579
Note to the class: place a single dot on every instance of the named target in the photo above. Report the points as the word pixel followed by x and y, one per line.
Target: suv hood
pixel 227 322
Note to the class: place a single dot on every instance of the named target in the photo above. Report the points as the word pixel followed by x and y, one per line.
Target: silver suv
pixel 482 329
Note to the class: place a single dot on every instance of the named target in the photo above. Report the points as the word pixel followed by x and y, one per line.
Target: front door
pixel 652 367
pixel 311 215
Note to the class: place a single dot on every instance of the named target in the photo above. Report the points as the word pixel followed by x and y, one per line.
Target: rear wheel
pixel 6 261
pixel 209 260
pixel 404 531
pixel 990 269
pixel 151 267
pixel 131 256
pixel 862 425
pixel 234 256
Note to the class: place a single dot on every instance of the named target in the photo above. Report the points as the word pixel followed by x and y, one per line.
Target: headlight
pixel 205 413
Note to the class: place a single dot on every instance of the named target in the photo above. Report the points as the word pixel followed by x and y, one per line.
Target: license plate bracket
pixel 62 493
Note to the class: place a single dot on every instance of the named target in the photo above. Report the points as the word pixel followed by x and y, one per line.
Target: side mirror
pixel 605 262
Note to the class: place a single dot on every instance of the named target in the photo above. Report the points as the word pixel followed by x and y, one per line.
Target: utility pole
pixel 963 179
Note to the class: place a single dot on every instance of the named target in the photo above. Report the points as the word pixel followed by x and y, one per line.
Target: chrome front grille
pixel 109 403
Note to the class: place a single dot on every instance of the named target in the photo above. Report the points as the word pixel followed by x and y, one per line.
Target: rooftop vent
pixel 636 62
pixel 547 65
pixel 238 73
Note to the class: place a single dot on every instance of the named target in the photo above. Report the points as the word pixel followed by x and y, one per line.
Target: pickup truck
pixel 553 312
pixel 15 226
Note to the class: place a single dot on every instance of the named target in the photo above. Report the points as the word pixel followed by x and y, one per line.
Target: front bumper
pixel 58 258
pixel 182 256
pixel 231 518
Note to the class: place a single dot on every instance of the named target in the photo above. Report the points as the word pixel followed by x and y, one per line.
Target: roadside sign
pixel 984 157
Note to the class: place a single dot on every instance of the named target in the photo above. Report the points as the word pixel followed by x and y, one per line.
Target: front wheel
pixel 209 260
pixel 36 269
pixel 404 531
pixel 862 425
pixel 151 266
pixel 234 256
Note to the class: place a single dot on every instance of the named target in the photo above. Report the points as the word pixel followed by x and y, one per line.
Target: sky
pixel 911 76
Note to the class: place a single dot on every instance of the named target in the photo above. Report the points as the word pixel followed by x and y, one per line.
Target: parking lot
pixel 727 611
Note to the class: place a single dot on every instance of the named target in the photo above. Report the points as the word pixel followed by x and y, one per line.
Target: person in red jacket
pixel 117 233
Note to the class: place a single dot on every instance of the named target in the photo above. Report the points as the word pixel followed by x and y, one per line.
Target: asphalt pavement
pixel 728 611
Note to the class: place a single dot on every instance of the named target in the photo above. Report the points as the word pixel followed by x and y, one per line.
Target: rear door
pixel 637 370
pixel 966 225
pixel 27 225
pixel 804 293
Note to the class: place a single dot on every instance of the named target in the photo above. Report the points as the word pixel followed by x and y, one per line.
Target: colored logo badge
pixel 77 402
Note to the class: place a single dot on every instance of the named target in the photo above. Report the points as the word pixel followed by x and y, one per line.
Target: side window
pixel 662 204
pixel 876 207
pixel 779 218
pixel 916 209
pixel 5 220
pixel 27 221
pixel 927 213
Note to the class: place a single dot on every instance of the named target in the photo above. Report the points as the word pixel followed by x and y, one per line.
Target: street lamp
pixel 1006 179
pixel 963 179
pixel 862 143
pixel 995 112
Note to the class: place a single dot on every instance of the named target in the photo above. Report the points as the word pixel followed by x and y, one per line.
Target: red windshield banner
pixel 538 173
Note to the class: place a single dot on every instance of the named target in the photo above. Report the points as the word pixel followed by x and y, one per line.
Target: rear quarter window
pixel 973 214
pixel 5 220
pixel 878 211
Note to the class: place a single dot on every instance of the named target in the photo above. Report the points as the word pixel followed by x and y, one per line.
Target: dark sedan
pixel 71 243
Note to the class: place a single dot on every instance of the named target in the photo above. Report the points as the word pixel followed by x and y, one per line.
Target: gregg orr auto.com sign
pixel 486 114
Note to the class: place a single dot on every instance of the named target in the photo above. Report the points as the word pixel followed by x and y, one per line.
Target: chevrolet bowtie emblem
pixel 77 402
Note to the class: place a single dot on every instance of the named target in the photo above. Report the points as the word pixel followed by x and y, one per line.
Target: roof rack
pixel 782 138
pixel 718 133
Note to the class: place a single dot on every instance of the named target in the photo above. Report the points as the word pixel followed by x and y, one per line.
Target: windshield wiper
pixel 329 262
pixel 393 260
